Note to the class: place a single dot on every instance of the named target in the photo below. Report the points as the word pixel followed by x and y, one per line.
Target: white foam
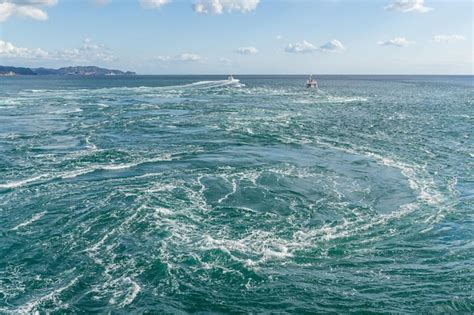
pixel 282 253
pixel 234 189
pixel 423 185
pixel 355 226
pixel 66 111
pixel 91 145
pixel 163 211
pixel 132 294
pixel 93 249
pixel 341 99
pixel 34 218
pixel 114 167
pixel 22 182
pixel 259 246
pixel 100 242
pixel 78 172
pixel 164 157
pixel 28 307
pixel 211 84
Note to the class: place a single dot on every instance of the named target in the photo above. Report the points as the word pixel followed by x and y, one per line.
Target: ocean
pixel 181 194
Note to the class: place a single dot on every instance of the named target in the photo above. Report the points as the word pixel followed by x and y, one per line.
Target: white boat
pixel 311 83
pixel 230 78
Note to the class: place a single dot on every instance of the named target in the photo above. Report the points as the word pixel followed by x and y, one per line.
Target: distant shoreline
pixel 11 71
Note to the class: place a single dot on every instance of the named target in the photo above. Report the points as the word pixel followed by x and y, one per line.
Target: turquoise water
pixel 184 194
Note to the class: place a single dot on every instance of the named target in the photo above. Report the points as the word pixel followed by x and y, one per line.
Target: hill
pixel 78 70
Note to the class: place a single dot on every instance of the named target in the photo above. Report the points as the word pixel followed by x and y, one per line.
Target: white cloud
pixel 24 8
pixel 307 47
pixel 189 57
pixel 215 7
pixel 301 48
pixel 89 51
pixel 34 2
pixel 408 6
pixel 154 4
pixel 31 12
pixel 8 50
pixel 6 9
pixel 185 57
pixel 247 50
pixel 448 38
pixel 333 45
pixel 162 58
pixel 278 37
pixel 226 61
pixel 397 42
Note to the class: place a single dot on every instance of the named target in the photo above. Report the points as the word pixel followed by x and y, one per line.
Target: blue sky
pixel 241 36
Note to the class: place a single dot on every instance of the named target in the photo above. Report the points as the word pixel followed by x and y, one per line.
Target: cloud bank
pixel 216 7
pixel 408 6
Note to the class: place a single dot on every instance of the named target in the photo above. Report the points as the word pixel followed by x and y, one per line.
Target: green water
pixel 193 194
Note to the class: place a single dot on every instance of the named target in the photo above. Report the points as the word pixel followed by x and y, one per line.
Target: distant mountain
pixel 80 70
pixel 15 70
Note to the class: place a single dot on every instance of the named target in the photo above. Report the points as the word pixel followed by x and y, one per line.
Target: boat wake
pixel 214 84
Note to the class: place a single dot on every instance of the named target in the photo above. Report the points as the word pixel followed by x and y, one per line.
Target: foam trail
pixel 209 84
pixel 66 111
pixel 79 172
pixel 31 305
pixel 132 294
pixel 34 218
pixel 22 182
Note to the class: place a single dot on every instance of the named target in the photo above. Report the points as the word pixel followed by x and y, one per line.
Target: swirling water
pixel 183 194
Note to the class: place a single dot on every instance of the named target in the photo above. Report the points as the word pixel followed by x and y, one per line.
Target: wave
pixel 66 111
pixel 419 180
pixel 416 175
pixel 141 89
pixel 132 294
pixel 83 171
pixel 210 84
pixel 332 99
pixel 114 167
pixel 346 99
pixel 34 218
pixel 28 307
pixel 22 182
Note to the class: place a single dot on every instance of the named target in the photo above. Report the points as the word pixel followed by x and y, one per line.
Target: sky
pixel 241 36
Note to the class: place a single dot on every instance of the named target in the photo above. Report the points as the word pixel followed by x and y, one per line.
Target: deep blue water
pixel 185 193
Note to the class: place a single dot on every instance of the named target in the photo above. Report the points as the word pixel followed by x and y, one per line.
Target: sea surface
pixel 177 194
